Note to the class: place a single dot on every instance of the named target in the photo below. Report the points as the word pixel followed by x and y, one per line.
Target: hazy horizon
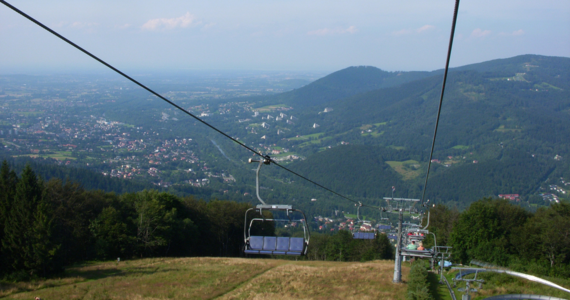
pixel 293 36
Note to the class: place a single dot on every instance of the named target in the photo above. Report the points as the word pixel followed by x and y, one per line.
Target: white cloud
pixel 478 33
pixel 518 32
pixel 124 26
pixel 351 30
pixel 401 32
pixel 425 28
pixel 209 25
pixel 164 23
pixel 410 31
pixel 83 24
pixel 328 31
pixel 59 25
pixel 514 33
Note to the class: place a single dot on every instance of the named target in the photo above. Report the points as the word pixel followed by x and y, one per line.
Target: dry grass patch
pixel 323 280
pixel 183 278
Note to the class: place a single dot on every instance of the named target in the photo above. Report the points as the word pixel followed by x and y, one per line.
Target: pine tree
pixel 18 233
pixel 8 180
pixel 44 250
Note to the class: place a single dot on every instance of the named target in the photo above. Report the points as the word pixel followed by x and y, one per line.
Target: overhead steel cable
pixel 309 180
pixel 170 102
pixel 441 97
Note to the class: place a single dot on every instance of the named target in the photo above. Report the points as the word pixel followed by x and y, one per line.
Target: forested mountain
pixel 341 84
pixel 502 124
pixel 354 169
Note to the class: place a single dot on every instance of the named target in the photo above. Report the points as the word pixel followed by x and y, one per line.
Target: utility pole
pixel 398 258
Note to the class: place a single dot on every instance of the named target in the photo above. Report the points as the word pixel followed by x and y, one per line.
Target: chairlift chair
pixel 273 245
pixel 384 222
pixel 358 235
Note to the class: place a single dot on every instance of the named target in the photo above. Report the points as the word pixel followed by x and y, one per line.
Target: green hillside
pixel 356 170
pixel 502 124
pixel 341 84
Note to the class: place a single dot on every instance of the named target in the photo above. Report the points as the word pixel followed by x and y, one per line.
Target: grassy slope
pixel 223 278
pixel 237 278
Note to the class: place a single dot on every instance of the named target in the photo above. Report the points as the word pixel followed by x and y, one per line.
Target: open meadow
pixel 217 278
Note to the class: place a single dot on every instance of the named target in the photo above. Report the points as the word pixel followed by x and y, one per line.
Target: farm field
pixel 270 108
pixel 59 155
pixel 409 169
pixel 219 278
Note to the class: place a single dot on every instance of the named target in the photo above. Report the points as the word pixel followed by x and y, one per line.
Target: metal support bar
pixel 398 262
pixel 262 161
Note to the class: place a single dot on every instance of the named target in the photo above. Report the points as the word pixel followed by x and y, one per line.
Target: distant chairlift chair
pixel 273 245
pixel 415 233
pixel 384 222
pixel 358 235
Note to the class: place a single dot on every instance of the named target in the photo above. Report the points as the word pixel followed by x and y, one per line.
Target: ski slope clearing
pixel 218 278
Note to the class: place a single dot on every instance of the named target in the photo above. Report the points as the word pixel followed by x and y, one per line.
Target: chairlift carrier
pixel 273 245
pixel 384 222
pixel 358 235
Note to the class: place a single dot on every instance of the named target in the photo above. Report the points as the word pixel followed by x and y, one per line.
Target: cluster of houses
pixel 199 182
pixel 550 197
pixel 556 188
pixel 510 197
pixel 328 224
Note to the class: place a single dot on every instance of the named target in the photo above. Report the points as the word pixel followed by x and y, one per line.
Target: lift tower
pixel 400 208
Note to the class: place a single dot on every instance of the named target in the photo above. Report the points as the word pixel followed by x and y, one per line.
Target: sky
pixel 272 35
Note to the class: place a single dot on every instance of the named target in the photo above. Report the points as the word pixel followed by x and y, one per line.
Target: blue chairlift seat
pixel 282 246
pixel 271 245
pixel 255 244
pixel 363 235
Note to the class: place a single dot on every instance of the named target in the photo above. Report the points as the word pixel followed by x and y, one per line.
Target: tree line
pixel 502 233
pixel 46 226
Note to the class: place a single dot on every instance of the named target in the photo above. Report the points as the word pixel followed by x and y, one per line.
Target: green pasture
pixel 269 108
pixel 409 169
pixel 307 137
pixel 460 147
pixel 503 129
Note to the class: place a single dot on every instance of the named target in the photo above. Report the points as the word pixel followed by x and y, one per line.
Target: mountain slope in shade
pixel 341 84
pixel 355 170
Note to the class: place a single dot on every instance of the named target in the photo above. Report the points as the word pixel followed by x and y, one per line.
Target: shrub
pixel 418 285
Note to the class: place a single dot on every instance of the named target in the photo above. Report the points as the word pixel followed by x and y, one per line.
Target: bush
pixel 418 285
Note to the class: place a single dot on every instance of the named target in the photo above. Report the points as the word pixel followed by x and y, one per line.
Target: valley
pixel 371 125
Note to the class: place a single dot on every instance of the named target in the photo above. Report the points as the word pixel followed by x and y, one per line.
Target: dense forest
pixel 500 233
pixel 48 225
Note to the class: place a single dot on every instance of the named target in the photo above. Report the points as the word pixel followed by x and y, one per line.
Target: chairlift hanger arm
pixel 265 160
